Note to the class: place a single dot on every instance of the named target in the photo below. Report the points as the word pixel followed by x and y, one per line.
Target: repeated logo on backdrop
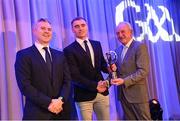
pixel 158 21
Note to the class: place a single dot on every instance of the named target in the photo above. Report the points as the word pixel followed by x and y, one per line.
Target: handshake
pixel 104 85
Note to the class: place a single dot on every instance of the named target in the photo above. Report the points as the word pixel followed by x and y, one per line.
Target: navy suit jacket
pixel 36 84
pixel 84 75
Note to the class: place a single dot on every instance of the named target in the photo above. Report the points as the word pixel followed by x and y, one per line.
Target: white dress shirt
pixel 125 49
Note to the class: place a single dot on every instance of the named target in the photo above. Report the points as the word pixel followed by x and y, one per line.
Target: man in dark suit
pixel 86 61
pixel 132 68
pixel 43 77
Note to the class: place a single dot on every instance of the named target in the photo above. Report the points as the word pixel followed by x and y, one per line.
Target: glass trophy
pixel 111 59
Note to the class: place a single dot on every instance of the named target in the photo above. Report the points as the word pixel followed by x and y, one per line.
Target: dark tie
pixel 48 59
pixel 87 49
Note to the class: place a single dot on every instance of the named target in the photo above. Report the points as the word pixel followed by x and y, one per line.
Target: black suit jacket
pixel 37 85
pixel 84 75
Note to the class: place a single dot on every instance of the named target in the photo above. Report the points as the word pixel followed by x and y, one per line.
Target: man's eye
pixel 43 28
pixel 83 25
pixel 76 26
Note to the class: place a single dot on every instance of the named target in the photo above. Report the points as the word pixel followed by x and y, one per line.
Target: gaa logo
pixel 160 32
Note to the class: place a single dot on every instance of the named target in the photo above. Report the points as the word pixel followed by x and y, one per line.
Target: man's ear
pixel 72 29
pixel 34 30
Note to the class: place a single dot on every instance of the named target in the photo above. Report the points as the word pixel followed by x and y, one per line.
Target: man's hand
pixel 118 81
pixel 102 86
pixel 55 106
pixel 112 68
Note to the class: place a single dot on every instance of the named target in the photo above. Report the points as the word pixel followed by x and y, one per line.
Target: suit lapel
pixel 95 49
pixel 82 52
pixel 39 58
pixel 128 53
pixel 54 66
pixel 54 60
pixel 79 48
pixel 119 52
pixel 38 55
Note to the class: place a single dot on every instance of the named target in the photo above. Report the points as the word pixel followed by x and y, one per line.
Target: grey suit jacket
pixel 134 70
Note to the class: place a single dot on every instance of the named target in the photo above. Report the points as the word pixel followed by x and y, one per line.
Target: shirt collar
pixel 129 43
pixel 80 41
pixel 40 46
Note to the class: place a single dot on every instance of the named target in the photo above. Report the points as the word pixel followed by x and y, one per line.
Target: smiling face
pixel 124 32
pixel 80 28
pixel 43 32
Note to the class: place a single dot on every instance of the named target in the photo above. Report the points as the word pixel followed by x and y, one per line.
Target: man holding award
pixel 86 61
pixel 132 71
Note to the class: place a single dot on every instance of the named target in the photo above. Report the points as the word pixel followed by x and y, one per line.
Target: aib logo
pixel 161 32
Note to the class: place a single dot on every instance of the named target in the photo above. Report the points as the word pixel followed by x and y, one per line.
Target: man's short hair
pixel 43 20
pixel 126 23
pixel 77 18
pixel 40 20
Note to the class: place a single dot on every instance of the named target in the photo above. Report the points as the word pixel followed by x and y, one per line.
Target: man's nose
pixel 81 27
